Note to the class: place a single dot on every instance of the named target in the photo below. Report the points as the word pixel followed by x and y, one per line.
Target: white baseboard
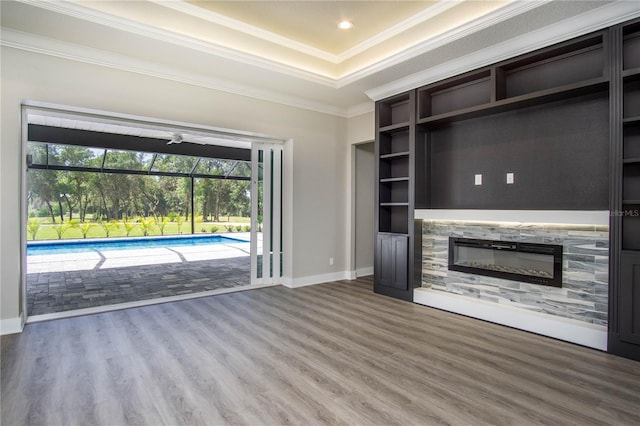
pixel 363 272
pixel 593 336
pixel 11 326
pixel 316 279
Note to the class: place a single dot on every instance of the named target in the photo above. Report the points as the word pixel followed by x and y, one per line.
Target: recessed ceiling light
pixel 345 25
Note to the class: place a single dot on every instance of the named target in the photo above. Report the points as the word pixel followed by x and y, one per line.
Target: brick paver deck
pixel 86 280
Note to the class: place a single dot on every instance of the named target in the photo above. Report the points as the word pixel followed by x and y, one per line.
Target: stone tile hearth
pixel 584 292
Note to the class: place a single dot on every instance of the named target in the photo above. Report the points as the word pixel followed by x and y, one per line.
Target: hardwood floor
pixel 327 354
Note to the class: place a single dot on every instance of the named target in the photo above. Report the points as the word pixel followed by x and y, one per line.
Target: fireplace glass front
pixel 526 262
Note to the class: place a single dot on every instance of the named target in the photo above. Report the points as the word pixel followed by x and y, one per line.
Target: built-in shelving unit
pixel 565 120
pixel 502 118
pixel 395 129
pixel 570 69
pixel 631 138
pixel 624 264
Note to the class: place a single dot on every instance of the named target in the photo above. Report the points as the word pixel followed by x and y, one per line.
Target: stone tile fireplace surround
pixel 576 312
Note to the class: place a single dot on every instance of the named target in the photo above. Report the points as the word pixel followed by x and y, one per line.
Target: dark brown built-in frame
pixel 588 88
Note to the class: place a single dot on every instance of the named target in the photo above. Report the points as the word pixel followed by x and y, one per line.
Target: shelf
pixel 395 179
pixel 631 121
pixel 455 94
pixel 394 204
pixel 571 64
pixel 537 98
pixel 391 233
pixel 631 202
pixel 395 155
pixel 633 72
pixel 631 160
pixel 395 111
pixel 394 127
pixel 394 142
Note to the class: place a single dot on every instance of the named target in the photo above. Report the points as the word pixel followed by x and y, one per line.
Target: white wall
pixel 364 200
pixel 361 128
pixel 319 152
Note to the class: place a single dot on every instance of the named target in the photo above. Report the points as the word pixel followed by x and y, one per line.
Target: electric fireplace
pixel 518 261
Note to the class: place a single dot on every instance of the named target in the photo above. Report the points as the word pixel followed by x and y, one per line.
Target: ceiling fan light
pixel 175 138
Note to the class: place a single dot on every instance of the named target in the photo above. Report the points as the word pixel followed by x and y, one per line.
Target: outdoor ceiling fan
pixel 175 138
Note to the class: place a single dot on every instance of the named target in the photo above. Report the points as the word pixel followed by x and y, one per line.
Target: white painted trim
pixel 85 13
pixel 144 121
pixel 610 14
pixel 485 21
pixel 92 15
pixel 306 49
pixel 599 217
pixel 316 279
pixel 70 51
pixel 569 330
pixel 420 17
pixel 363 272
pixel 593 20
pixel 363 108
pixel 11 326
pixel 243 27
pixel 141 303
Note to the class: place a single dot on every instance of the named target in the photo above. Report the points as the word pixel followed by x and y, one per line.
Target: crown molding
pixel 363 108
pixel 424 15
pixel 502 14
pixel 74 52
pixel 329 79
pixel 108 20
pixel 208 15
pixel 605 16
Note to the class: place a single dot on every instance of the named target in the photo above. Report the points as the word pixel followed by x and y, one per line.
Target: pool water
pixel 75 246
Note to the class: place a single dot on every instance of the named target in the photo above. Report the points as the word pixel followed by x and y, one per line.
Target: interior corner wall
pixel 361 128
pixel 319 150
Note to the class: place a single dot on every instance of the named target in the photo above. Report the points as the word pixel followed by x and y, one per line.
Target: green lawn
pixel 47 230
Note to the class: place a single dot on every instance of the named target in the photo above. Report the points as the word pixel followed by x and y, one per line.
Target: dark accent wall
pixel 558 151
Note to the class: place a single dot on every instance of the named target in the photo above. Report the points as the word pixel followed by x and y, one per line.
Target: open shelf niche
pixel 395 141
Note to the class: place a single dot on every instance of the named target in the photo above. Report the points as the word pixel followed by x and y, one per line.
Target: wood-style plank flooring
pixel 327 354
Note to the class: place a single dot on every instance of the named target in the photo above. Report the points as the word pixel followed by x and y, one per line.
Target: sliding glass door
pixel 266 213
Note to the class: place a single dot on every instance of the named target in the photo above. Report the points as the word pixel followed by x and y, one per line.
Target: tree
pixel 63 227
pixel 128 226
pixel 43 185
pixel 74 184
pixel 33 226
pixel 162 224
pixel 110 226
pixel 146 225
pixel 85 228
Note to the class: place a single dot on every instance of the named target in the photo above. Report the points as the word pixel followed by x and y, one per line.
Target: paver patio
pixel 64 282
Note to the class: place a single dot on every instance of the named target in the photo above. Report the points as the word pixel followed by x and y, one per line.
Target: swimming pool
pixel 78 246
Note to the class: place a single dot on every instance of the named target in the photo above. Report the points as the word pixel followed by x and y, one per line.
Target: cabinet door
pixel 630 298
pixel 384 266
pixel 400 258
pixel 392 253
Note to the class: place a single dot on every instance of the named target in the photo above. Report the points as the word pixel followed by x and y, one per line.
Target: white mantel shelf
pixel 572 217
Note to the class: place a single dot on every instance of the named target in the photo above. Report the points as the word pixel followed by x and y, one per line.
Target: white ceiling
pixel 292 52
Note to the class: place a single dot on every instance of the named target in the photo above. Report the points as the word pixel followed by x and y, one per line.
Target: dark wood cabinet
pixel 624 281
pixel 391 263
pixel 630 297
pixel 395 144
pixel 565 119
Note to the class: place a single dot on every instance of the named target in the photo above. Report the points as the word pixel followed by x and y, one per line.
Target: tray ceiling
pixel 292 52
